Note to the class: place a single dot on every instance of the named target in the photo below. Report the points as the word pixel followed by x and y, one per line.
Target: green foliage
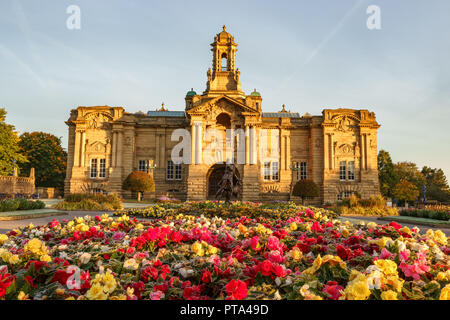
pixel 139 181
pixel 90 202
pixel 426 213
pixel 374 206
pixel 9 147
pixel 386 173
pixel 436 183
pixel 405 190
pixel 44 153
pixel 306 189
pixel 20 204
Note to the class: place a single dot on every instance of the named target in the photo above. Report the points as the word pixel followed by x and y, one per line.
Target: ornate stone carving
pixel 96 120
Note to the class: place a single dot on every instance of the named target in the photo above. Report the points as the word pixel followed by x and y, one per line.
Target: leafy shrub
pixel 90 202
pixel 306 189
pixel 426 213
pixel 20 204
pixel 139 181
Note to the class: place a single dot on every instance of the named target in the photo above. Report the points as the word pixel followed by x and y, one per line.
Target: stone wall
pixel 14 184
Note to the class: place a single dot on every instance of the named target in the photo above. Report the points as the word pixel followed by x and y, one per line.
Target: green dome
pixel 255 93
pixel 191 93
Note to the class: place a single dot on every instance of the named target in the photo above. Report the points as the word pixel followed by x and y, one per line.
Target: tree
pixel 139 181
pixel 408 171
pixel 9 147
pixel 406 191
pixel 306 189
pixel 46 155
pixel 386 173
pixel 436 183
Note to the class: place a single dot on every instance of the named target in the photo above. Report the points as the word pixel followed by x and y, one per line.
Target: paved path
pixel 422 228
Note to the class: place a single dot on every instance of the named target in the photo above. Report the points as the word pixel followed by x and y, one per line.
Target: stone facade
pixel 273 150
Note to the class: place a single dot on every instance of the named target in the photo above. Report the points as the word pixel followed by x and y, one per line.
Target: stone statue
pixel 230 185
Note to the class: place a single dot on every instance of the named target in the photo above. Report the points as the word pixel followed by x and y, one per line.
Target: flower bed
pixel 289 254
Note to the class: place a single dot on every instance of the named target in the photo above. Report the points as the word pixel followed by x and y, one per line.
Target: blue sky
pixel 308 55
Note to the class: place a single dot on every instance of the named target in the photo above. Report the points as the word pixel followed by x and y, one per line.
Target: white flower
pixel 131 264
pixel 85 258
pixel 278 281
pixel 63 255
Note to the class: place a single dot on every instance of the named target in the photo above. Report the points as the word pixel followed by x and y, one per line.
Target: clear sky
pixel 308 55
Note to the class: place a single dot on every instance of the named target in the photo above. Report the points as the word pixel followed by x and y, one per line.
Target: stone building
pixel 271 150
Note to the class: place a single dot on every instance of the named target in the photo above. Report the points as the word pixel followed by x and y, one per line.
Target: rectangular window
pixel 351 170
pixel 266 170
pixel 342 170
pixel 143 165
pixel 102 170
pixel 93 168
pixel 303 171
pixel 275 172
pixel 178 171
pixel 339 196
pixel 170 168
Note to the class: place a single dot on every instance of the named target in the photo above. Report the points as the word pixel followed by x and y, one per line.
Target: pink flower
pixel 156 295
pixel 404 255
pixel 118 236
pixel 273 243
pixel 385 254
pixel 254 243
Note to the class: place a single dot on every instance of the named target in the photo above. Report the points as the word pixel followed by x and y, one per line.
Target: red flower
pixel 265 268
pixel 236 290
pixel 395 225
pixel 206 276
pixel 333 290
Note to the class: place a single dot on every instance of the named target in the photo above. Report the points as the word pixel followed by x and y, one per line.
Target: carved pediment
pixel 345 123
pixel 97 120
pixel 222 104
pixel 98 147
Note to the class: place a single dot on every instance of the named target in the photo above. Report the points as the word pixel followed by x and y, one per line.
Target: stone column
pixel 326 148
pixel 76 149
pixel 162 153
pixel 119 149
pixel 363 151
pixel 198 143
pixel 114 150
pixel 247 146
pixel 193 140
pixel 253 155
pixel 332 162
pixel 83 149
pixel 282 152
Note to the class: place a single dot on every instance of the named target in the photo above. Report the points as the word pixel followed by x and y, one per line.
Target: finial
pixel 162 107
pixel 283 110
pixel 224 28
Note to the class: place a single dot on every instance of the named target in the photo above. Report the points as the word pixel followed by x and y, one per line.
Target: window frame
pixel 102 168
pixel 93 172
pixel 343 170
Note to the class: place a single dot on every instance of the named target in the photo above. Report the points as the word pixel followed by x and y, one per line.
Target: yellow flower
pixel 316 265
pixel 36 247
pixel 312 296
pixel 14 259
pixel 293 226
pixel 197 248
pixel 371 225
pixel 445 293
pixel 212 250
pixel 443 276
pixel 345 233
pixel 60 292
pixel 96 293
pixel 3 238
pixel 5 255
pixel 296 253
pixel 80 220
pixel 334 260
pixel 45 258
pixel 388 267
pixel 405 229
pixel 110 282
pixel 380 242
pixel 70 298
pixel 389 295
pixel 357 288
pixel 139 226
pixel 30 226
pixel 242 229
pixel 395 282
pixel 119 297
pixel 22 296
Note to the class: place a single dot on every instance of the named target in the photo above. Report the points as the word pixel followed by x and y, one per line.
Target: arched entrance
pixel 215 174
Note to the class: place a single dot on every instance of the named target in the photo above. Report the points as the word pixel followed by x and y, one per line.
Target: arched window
pixel 224 62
